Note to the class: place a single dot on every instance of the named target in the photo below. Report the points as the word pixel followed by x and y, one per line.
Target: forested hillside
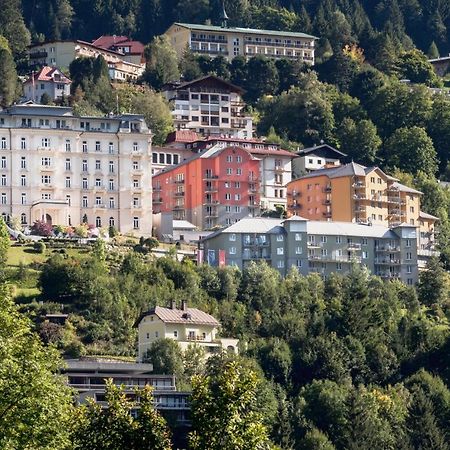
pixel 368 22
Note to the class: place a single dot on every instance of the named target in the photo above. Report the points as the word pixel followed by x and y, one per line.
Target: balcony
pixel 179 194
pixel 253 178
pixel 294 194
pixel 213 214
pixel 39 54
pixel 296 206
pixel 326 202
pixel 209 201
pixel 178 208
pixel 179 181
pixel 279 169
pixel 100 206
pixel 255 242
pixel 358 197
pixel 312 244
pixel 353 246
pixel 388 275
pixel 426 252
pixel 210 176
pixel 396 200
pixel 210 189
pixel 157 200
pixel 209 52
pixel 255 256
pixel 387 248
pixel 387 261
pixel 327 214
pixel 359 185
pixel 327 189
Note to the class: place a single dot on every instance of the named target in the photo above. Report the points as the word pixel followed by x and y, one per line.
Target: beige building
pixel 67 170
pixel 230 42
pixel 187 326
pixel 62 53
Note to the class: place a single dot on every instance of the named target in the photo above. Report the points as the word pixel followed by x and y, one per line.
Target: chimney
pixel 173 304
pixel 184 305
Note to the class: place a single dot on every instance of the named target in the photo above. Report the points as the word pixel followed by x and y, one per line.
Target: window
pixel 84 146
pixel 98 200
pixel 408 256
pixel 98 182
pixel 408 243
pixel 97 146
pixel 237 184
pixel 23 219
pixel 408 269
pixel 338 239
pixel 280 250
pixel 227 208
pixel 136 183
pixel 239 159
pixel 3 198
pixel 175 333
pixel 98 222
pixel 3 180
pixel 23 198
pixel 136 202
pixel 68 182
pixel 135 147
pixel 229 158
pixel 23 180
pixel 84 183
pixel 280 238
pixel 229 171
pixel 298 250
pixel 323 239
pixel 112 222
pixel 68 164
pixel 111 148
pixel 68 199
pixel 135 165
pixel 23 162
pixel 98 164
pixel 232 251
pixel 46 162
pixel 227 196
pixel 84 165
pixel 410 281
pixel 338 266
pixel 411 209
pixel 237 209
pixel 46 179
pixel 3 143
pixel 280 264
pixel 84 202
pixel 23 144
pixel 365 254
pixel 111 185
pixel 68 146
pixel 238 171
pixel 298 237
pixel 112 203
pixel 136 223
pixel 232 237
pixel 237 197
pixel 45 142
pixel 364 241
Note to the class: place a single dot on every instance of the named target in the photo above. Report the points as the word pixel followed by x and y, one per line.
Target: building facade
pixel 209 106
pixel 48 80
pixel 318 247
pixel 315 158
pixel 216 187
pixel 68 170
pixel 186 326
pixel 230 42
pixel 62 53
pixel 132 51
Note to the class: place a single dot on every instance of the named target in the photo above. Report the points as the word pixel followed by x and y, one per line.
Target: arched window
pixel 98 222
pixel 23 219
pixel 112 222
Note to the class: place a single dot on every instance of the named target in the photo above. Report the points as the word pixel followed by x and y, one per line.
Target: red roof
pixel 185 136
pixel 116 42
pixel 49 74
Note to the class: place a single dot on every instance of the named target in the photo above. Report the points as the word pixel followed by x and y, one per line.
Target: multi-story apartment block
pixel 68 170
pixel 209 106
pixel 87 376
pixel 186 326
pixel 62 53
pixel 230 42
pixel 275 166
pixel 216 187
pixel 48 80
pixel 354 193
pixel 319 247
pixel 315 158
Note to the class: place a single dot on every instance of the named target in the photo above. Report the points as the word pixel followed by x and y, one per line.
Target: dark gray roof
pixel 320 148
pixel 188 316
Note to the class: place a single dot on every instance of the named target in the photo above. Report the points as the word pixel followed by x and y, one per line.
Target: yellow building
pixel 187 326
pixel 230 42
pixel 366 195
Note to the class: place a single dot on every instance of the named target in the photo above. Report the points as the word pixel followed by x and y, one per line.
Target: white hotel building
pixel 68 170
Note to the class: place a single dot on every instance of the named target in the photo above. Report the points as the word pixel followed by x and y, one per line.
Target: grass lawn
pixel 26 255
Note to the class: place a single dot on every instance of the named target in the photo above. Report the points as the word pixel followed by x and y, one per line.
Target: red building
pixel 216 187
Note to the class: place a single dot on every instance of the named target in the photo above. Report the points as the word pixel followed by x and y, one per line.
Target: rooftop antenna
pixel 224 16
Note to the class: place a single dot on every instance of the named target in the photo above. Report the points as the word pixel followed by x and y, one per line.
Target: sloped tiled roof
pixel 424 215
pixel 189 316
pixel 48 74
pixel 182 136
pixel 114 42
pixel 321 147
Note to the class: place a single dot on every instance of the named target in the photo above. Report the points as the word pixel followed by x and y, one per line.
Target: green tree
pixel 13 27
pixel 439 128
pixel 8 78
pixel 411 150
pixel 413 65
pixel 262 78
pixel 223 411
pixel 433 51
pixel 162 63
pixel 35 404
pixel 433 284
pixel 360 140
pixel 315 440
pixel 4 243
pixel 166 357
pixel 114 427
pixel 189 66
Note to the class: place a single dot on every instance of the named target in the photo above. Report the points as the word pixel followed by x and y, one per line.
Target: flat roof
pixel 194 26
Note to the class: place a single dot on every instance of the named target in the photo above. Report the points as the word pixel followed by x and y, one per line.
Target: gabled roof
pixel 321 148
pixel 403 188
pixel 183 225
pixel 211 78
pixel 116 42
pixel 51 74
pixel 194 26
pixel 424 215
pixel 191 316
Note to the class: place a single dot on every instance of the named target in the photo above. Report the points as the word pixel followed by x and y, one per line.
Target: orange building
pixel 354 193
pixel 214 188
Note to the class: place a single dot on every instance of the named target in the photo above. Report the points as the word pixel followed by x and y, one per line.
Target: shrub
pixel 39 247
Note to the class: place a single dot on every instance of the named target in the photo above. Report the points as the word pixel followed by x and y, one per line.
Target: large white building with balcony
pixel 230 42
pixel 209 106
pixel 186 326
pixel 66 170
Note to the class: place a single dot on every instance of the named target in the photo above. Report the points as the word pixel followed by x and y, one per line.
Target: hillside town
pixel 230 229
